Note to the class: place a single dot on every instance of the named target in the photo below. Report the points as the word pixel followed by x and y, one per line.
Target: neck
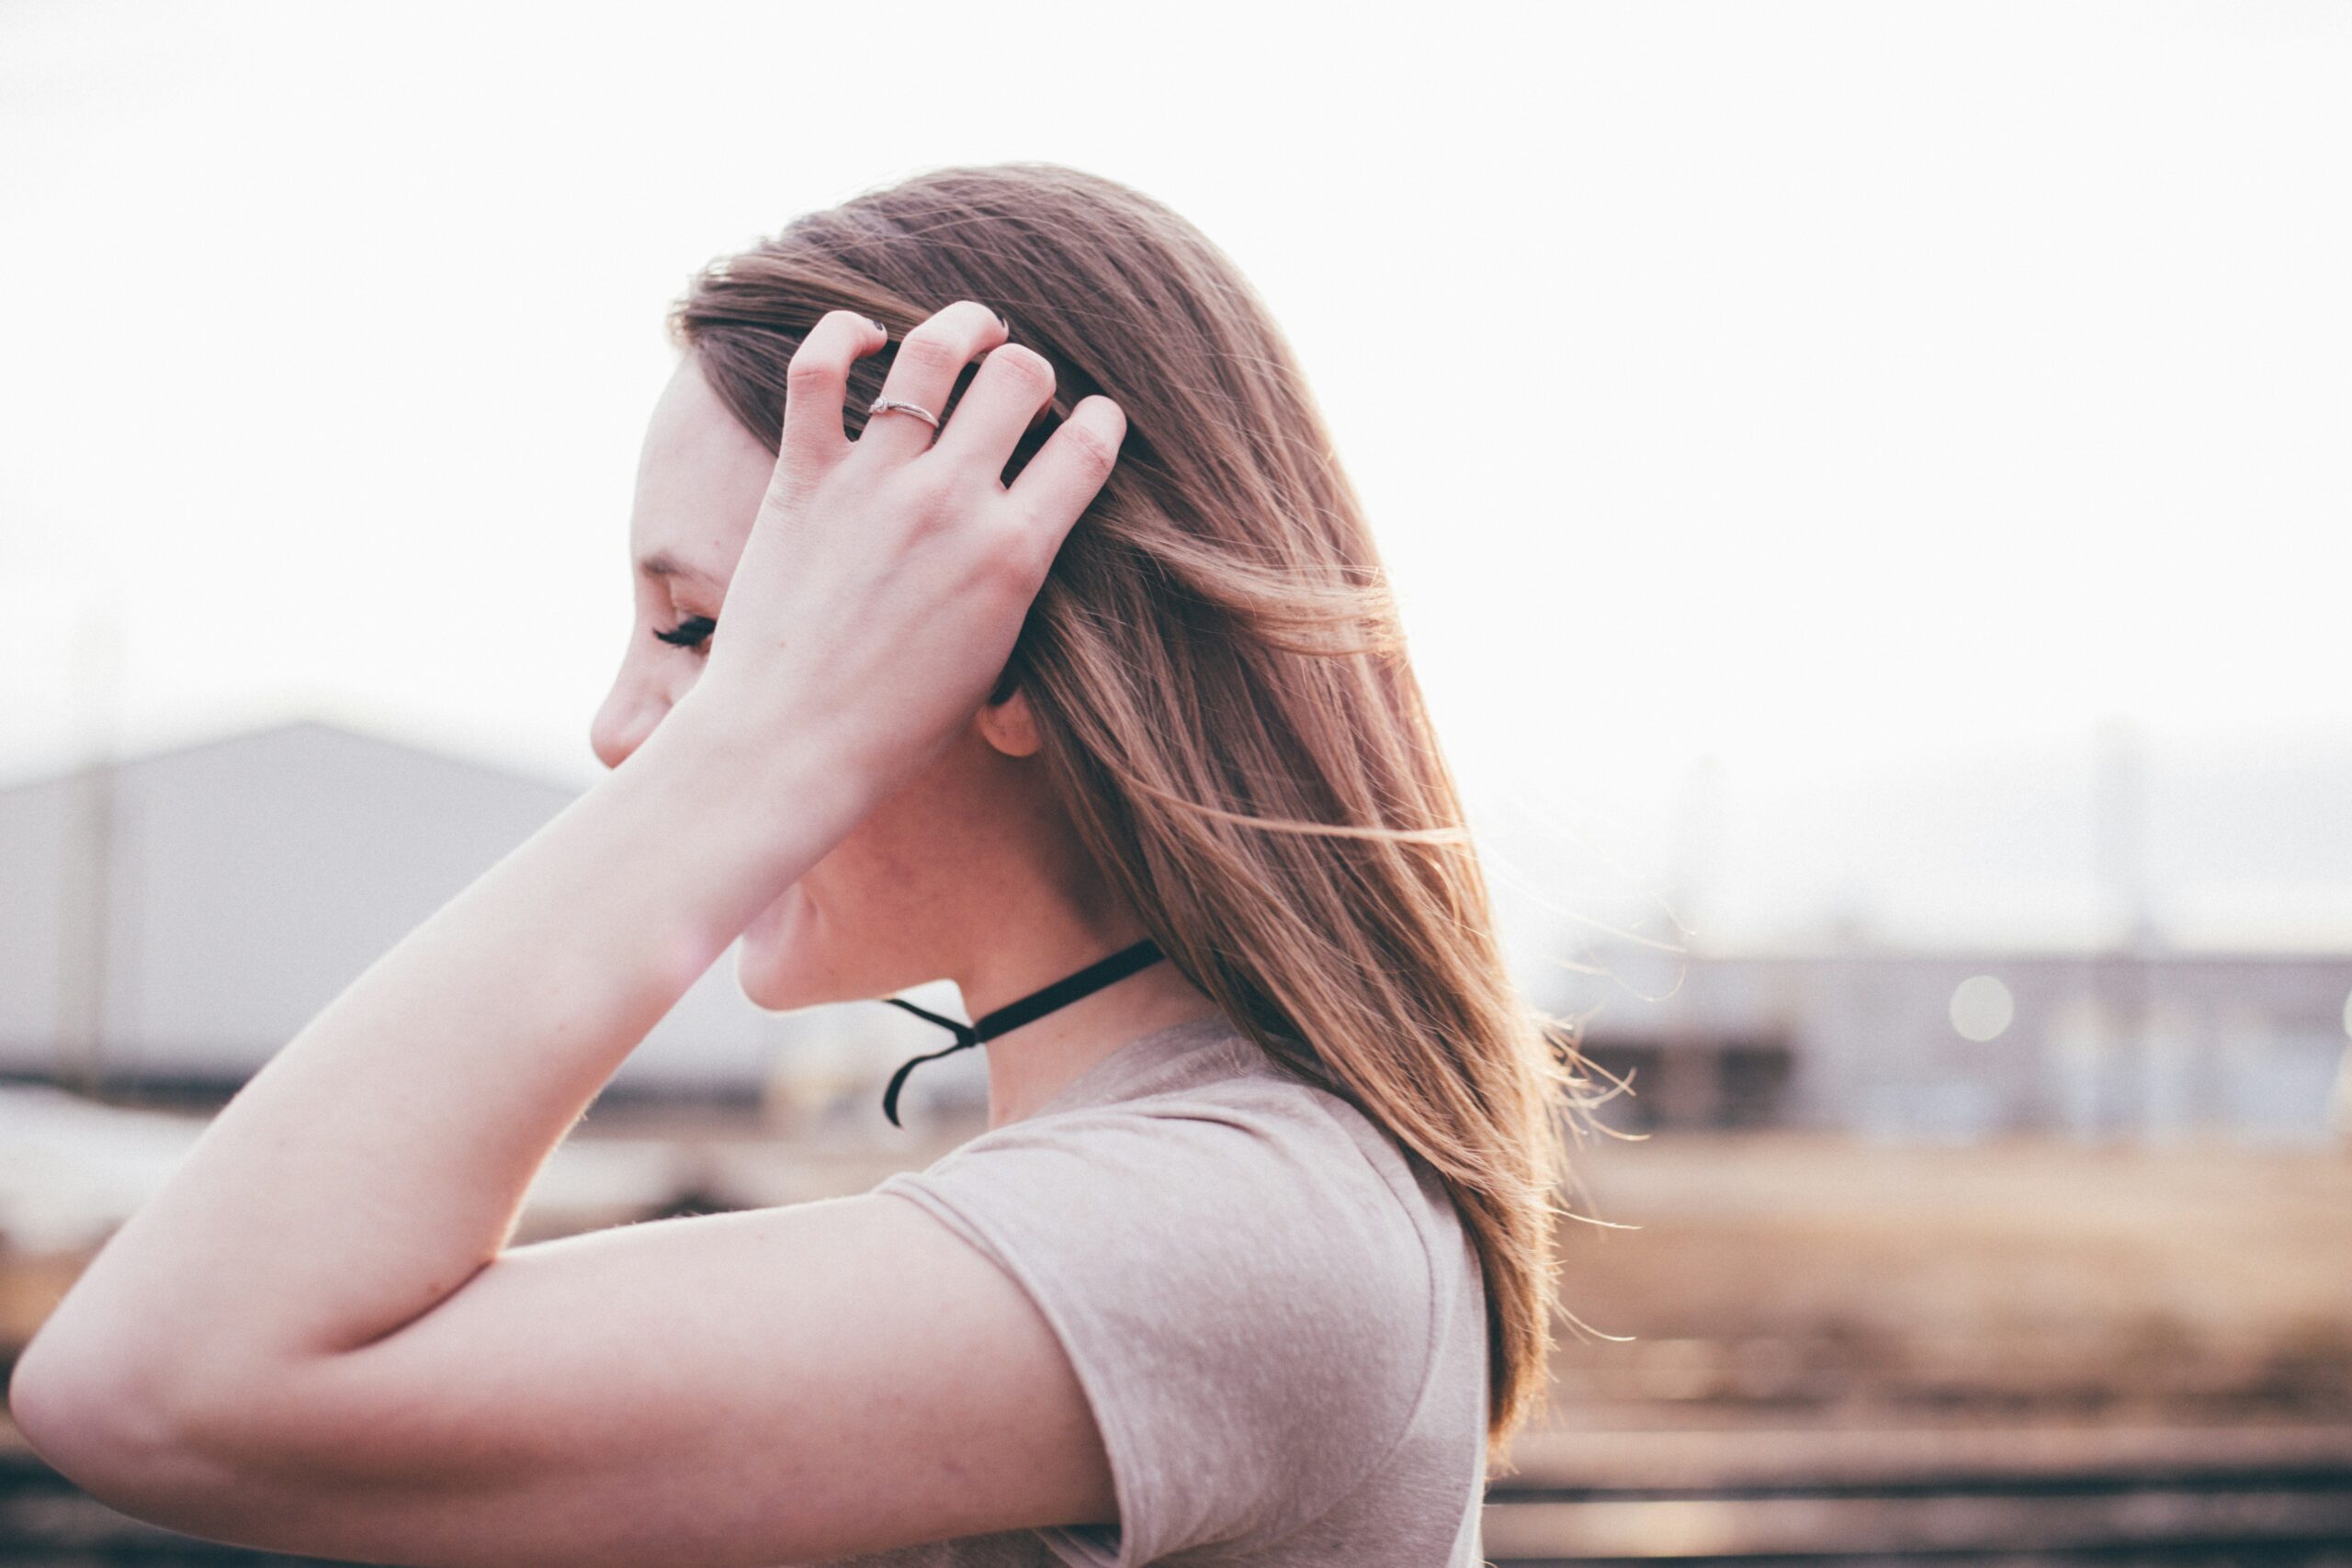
pixel 1029 1064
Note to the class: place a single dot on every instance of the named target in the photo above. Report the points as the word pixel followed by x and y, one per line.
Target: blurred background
pixel 1869 490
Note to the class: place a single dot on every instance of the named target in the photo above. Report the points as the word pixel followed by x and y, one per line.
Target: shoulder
pixel 1240 1272
pixel 1269 1182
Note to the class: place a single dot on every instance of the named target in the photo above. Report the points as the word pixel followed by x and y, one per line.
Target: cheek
pixel 873 865
pixel 850 884
pixel 884 881
pixel 842 930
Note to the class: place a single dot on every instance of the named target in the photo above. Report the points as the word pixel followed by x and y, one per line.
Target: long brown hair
pixel 1219 672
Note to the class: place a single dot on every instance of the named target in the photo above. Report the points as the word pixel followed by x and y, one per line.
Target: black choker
pixel 1013 1015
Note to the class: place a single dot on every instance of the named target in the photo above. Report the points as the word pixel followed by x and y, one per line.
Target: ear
pixel 1009 725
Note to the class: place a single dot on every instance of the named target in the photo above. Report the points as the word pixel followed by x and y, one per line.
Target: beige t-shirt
pixel 1272 1306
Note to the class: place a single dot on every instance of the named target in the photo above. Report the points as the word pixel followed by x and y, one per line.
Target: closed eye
pixel 689 632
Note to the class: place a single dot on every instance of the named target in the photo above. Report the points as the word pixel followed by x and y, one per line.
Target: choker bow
pixel 1013 1015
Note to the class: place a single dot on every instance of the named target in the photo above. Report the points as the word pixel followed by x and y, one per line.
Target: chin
pixel 800 953
pixel 770 962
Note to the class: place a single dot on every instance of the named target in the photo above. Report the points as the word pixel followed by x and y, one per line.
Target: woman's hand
pixel 885 581
pixel 236 1361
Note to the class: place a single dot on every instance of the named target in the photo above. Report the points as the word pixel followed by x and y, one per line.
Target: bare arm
pixel 313 1338
pixel 383 1155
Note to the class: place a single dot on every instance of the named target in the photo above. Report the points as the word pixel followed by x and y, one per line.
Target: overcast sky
pixel 1825 389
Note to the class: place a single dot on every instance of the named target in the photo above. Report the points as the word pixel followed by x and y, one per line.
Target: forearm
pixel 383 1156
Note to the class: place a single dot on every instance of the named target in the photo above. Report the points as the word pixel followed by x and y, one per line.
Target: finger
pixel 1069 470
pixel 816 382
pixel 923 373
pixel 1014 383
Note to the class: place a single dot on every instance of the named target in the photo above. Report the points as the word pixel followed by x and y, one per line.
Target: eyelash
pixel 690 632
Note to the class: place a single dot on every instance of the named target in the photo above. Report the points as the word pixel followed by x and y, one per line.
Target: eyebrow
pixel 661 563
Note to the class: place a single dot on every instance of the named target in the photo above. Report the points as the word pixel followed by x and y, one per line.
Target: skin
pixel 315 1340
pixel 969 870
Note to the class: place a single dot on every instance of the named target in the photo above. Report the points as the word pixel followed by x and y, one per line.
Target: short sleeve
pixel 1241 1291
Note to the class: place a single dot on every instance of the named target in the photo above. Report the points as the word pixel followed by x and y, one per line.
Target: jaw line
pixel 783 939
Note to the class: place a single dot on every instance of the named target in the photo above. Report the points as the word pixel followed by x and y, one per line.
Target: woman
pixel 1072 678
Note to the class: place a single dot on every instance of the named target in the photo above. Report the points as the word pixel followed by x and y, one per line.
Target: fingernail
pixel 1000 321
pixel 880 327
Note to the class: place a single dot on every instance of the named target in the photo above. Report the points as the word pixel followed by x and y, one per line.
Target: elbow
pixel 81 1427
pixel 108 1433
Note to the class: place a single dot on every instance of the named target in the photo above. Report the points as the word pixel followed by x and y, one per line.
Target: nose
pixel 630 711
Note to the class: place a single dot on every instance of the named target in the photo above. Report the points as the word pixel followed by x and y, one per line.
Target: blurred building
pixel 168 921
pixel 2144 1042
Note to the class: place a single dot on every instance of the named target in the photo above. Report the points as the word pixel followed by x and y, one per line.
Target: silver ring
pixel 893 405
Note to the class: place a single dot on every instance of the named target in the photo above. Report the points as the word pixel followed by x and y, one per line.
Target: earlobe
pixel 1008 724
